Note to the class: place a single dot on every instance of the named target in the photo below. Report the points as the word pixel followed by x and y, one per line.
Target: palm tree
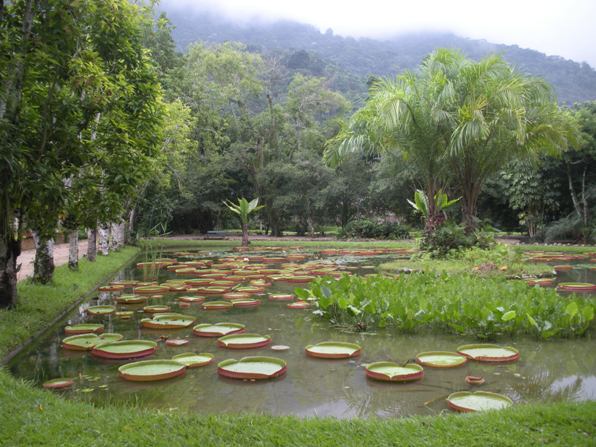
pixel 244 208
pixel 457 122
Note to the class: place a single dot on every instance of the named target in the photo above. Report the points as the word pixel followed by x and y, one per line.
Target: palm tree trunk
pixel 92 244
pixel 43 265
pixel 245 235
pixel 73 250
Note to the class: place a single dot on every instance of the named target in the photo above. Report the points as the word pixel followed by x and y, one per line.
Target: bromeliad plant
pixel 461 304
pixel 243 209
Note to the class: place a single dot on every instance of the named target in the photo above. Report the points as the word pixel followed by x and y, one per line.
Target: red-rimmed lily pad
pixel 125 349
pixel 151 370
pixel 563 268
pixel 211 290
pixel 581 287
pixel 151 290
pixel 84 328
pixel 299 305
pixel 156 308
pixel 467 401
pixel 541 282
pixel 236 295
pixel 394 372
pixel 217 305
pixel 175 342
pixel 86 342
pixel 58 384
pixel 191 299
pixel 243 341
pixel 167 321
pixel 217 329
pixel 333 350
pixel 111 288
pixel 489 353
pixel 475 380
pixel 130 299
pixel 124 314
pixel 297 279
pixel 192 360
pixel 281 297
pixel 246 303
pixel 441 359
pixel 252 368
pixel 101 310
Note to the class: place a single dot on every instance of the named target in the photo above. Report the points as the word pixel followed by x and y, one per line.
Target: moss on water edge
pixel 32 416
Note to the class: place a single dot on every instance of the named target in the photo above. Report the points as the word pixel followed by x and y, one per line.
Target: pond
pixel 553 370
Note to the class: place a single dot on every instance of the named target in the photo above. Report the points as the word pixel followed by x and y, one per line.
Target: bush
pixel 368 229
pixel 451 237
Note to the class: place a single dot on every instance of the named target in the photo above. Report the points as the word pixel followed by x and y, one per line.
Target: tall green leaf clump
pixel 485 308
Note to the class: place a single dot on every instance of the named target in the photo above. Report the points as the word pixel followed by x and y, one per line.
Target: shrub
pixel 369 229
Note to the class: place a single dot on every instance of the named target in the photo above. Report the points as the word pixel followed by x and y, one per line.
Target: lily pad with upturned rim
pixel 83 328
pixel 489 353
pixel 394 372
pixel 130 299
pixel 281 297
pixel 125 349
pixel 58 384
pixel 246 303
pixel 151 370
pixel 578 287
pixel 151 290
pixel 333 350
pixel 101 310
pixel 218 329
pixel 176 342
pixel 217 305
pixel 252 368
pixel 299 305
pixel 167 321
pixel 191 299
pixel 467 401
pixel 441 359
pixel 156 308
pixel 243 341
pixel 192 360
pixel 86 342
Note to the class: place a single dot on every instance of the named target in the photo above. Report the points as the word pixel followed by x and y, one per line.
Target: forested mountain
pixel 349 62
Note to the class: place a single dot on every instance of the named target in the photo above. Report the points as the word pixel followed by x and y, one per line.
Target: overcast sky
pixel 556 27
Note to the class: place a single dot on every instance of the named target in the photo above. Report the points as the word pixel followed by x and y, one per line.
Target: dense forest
pixel 351 61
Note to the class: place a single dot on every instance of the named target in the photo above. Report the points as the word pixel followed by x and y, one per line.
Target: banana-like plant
pixel 432 213
pixel 243 209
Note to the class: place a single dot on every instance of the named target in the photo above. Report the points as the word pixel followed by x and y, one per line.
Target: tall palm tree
pixel 457 122
pixel 243 209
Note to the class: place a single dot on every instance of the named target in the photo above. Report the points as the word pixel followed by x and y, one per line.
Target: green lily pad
pixel 125 349
pixel 441 359
pixel 151 370
pixel 394 372
pixel 489 353
pixel 252 368
pixel 83 328
pixel 217 329
pixel 101 310
pixel 167 321
pixel 333 350
pixel 243 341
pixel 192 360
pixel 465 401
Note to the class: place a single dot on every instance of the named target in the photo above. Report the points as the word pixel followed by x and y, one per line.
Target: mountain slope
pixel 360 58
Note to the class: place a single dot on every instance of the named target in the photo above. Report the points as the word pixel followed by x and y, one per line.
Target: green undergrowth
pixel 34 417
pixel 170 244
pixel 501 260
pixel 38 305
pixel 556 248
pixel 486 308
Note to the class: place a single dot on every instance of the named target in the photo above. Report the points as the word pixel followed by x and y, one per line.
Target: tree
pixel 244 209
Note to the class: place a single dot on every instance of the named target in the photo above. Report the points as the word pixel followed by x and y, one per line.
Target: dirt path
pixel 60 258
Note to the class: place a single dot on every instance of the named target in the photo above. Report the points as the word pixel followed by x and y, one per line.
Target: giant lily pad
pixel 191 299
pixel 58 384
pixel 243 341
pixel 151 370
pixel 236 295
pixel 217 305
pixel 156 308
pixel 101 310
pixel 192 360
pixel 217 329
pixel 86 342
pixel 167 321
pixel 281 297
pixel 466 401
pixel 111 288
pixel 130 299
pixel 151 290
pixel 333 350
pixel 246 303
pixel 252 368
pixel 125 349
pixel 489 353
pixel 299 305
pixel 441 359
pixel 394 372
pixel 84 328
pixel 581 287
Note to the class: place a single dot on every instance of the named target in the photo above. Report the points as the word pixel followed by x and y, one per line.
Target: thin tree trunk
pixel 43 265
pixel 10 249
pixel 104 234
pixel 73 250
pixel 92 245
pixel 245 235
pixel 117 231
pixel 131 224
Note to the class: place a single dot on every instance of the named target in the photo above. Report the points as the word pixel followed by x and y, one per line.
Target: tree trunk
pixel 470 206
pixel 43 265
pixel 117 231
pixel 73 250
pixel 129 235
pixel 245 235
pixel 10 249
pixel 92 244
pixel 104 234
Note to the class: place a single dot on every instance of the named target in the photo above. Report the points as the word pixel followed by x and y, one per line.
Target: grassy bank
pixel 38 305
pixel 31 416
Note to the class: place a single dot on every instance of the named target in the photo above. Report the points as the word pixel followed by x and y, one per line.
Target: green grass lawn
pixel 31 416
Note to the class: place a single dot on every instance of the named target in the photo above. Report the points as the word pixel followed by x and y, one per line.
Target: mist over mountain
pixel 349 62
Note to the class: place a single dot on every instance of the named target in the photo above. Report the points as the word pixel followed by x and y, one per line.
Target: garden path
pixel 60 258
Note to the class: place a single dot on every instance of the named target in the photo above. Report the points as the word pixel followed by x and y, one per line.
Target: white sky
pixel 556 27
